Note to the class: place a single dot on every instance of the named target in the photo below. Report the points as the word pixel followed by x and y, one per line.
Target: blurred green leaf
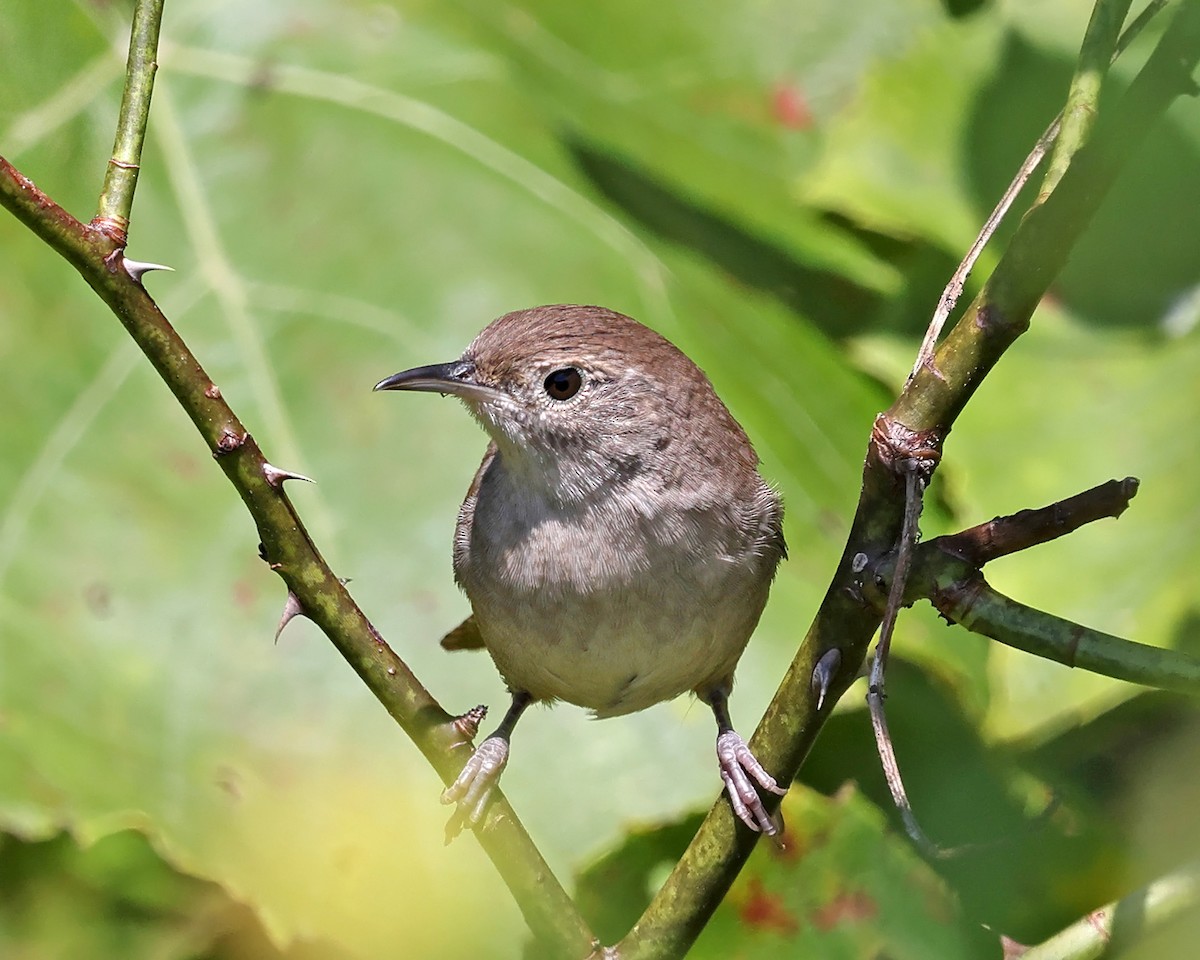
pixel 350 189
pixel 118 899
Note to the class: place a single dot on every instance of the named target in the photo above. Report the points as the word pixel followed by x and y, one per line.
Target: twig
pixel 1105 930
pixel 973 603
pixel 891 773
pixel 1083 98
pixel 953 290
pixel 914 487
pixel 981 544
pixel 120 179
pixel 958 280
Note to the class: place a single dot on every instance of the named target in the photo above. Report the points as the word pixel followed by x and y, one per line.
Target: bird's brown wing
pixel 463 637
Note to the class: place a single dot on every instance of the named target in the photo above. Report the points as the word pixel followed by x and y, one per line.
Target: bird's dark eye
pixel 563 384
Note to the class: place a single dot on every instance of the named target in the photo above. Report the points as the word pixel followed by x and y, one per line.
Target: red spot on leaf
pixel 790 107
pixel 183 465
pixel 788 846
pixel 846 908
pixel 98 599
pixel 764 910
pixel 244 594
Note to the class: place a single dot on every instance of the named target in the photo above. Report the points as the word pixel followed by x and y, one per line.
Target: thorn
pixel 779 838
pixel 291 610
pixel 275 476
pixel 137 268
pixel 468 723
pixel 822 675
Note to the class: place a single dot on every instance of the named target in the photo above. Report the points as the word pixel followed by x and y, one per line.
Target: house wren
pixel 617 543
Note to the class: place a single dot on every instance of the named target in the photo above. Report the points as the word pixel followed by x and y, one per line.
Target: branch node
pixel 213 392
pixel 115 229
pixel 229 442
pixel 930 363
pixel 956 601
pixel 902 450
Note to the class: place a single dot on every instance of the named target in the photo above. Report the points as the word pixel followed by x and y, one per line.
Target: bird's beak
pixel 456 378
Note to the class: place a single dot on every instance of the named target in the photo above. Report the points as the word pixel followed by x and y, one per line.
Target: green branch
pixel 971 602
pixel 913 431
pixel 1083 97
pixel 1106 930
pixel 979 545
pixel 120 179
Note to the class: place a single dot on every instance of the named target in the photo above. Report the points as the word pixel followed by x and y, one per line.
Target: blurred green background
pixel 349 188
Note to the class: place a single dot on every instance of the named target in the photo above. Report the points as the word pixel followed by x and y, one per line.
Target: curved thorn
pixel 822 675
pixel 291 610
pixel 136 268
pixel 275 477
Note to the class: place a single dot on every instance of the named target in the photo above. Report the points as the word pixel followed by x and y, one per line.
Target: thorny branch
pixel 120 179
pixel 96 251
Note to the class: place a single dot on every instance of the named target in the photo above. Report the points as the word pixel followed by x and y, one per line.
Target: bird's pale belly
pixel 620 653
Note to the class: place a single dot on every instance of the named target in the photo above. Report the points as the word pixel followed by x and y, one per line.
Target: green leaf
pixel 840 887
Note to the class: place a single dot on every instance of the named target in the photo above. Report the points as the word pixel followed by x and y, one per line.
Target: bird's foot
pixel 473 788
pixel 738 766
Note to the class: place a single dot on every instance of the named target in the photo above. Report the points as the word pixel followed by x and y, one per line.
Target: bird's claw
pixel 473 788
pixel 738 766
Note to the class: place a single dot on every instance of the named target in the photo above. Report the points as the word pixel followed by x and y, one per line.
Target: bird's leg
pixel 738 766
pixel 474 784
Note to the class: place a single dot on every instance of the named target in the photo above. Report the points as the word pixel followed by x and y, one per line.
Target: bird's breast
pixel 613 604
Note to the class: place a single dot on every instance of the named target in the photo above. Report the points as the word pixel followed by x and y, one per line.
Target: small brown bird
pixel 617 543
